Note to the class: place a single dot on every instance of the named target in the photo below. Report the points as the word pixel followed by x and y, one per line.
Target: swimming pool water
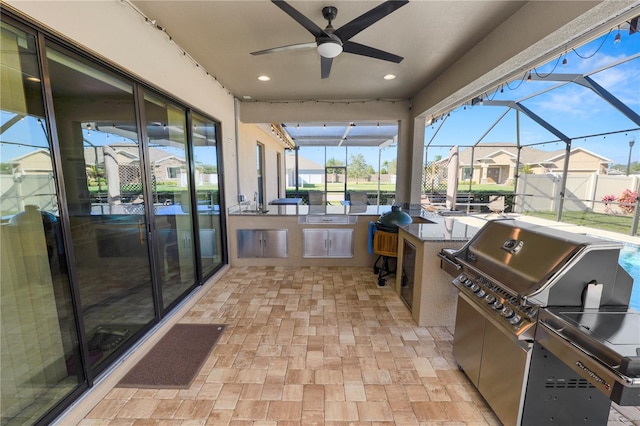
pixel 630 261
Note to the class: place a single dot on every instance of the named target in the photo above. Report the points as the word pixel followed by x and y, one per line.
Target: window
pixel 173 172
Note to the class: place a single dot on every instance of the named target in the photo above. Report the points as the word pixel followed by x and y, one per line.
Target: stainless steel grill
pixel 543 323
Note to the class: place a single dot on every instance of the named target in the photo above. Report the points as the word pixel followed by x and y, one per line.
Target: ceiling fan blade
pixel 286 48
pixel 372 52
pixel 363 21
pixel 325 66
pixel 300 18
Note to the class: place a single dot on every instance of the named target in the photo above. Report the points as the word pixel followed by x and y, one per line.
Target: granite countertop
pixel 304 210
pixel 438 228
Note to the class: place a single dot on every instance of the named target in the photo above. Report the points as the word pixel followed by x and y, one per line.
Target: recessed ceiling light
pixel 389 77
pixel 264 78
pixel 247 97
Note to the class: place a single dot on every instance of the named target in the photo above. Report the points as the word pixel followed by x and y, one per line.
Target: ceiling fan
pixel 331 42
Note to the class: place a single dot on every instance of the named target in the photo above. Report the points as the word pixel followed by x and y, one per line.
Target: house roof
pixel 304 163
pixel 130 150
pixel 528 155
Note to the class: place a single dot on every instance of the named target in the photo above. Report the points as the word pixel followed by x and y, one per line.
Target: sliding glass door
pixel 101 164
pixel 106 187
pixel 166 131
pixel 205 154
pixel 40 362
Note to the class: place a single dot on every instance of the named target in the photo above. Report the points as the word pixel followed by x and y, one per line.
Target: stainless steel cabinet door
pixel 262 243
pixel 340 243
pixel 274 243
pixel 468 339
pixel 315 243
pixel 328 242
pixel 249 243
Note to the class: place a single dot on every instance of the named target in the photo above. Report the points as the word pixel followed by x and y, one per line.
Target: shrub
pixel 627 201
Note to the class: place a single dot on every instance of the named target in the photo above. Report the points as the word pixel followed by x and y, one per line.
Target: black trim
pixel 45 36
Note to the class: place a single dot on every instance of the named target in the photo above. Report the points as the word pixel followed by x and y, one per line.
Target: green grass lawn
pixel 607 222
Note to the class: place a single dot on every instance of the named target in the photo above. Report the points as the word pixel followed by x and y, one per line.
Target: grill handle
pixel 448 265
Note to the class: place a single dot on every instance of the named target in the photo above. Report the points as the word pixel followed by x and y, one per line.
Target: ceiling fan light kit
pixel 331 42
pixel 329 49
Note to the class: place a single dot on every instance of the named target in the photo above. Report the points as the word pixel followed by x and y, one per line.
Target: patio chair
pixel 317 198
pixel 358 198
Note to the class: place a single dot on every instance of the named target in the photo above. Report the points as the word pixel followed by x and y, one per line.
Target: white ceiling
pixel 470 43
pixel 430 35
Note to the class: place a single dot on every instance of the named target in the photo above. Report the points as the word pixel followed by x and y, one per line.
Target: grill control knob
pixel 497 305
pixel 480 293
pixel 468 283
pixel 515 319
pixel 474 287
pixel 508 313
pixel 490 299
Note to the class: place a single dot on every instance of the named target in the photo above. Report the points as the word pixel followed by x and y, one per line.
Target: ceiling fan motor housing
pixel 329 13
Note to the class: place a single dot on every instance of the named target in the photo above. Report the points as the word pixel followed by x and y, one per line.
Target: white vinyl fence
pixel 582 193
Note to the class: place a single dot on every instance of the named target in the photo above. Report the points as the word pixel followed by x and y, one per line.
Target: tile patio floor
pixel 313 346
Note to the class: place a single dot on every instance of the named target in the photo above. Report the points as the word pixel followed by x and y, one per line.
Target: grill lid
pixel 525 257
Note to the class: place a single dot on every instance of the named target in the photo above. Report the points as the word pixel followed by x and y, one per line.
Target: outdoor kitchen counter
pixel 433 298
pixel 436 228
pixel 346 226
pixel 314 210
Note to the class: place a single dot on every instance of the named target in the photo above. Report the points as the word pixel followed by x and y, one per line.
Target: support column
pixel 410 153
pixel 483 173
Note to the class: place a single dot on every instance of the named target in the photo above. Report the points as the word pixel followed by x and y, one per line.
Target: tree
pixel 358 167
pixel 6 169
pixel 330 164
pixel 207 168
pixel 526 169
pixel 385 168
pixel 393 166
pixel 634 167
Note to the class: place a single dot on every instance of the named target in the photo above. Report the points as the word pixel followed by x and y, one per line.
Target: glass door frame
pixel 87 376
pixel 326 182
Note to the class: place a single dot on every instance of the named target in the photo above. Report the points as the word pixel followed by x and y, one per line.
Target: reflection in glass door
pixel 100 157
pixel 39 364
pixel 259 197
pixel 205 154
pixel 168 162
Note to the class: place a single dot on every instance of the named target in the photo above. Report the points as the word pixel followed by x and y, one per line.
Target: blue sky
pixel 574 110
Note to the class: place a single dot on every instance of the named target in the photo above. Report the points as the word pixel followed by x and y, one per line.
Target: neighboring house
pixel 36 162
pixel 166 166
pixel 496 162
pixel 309 172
